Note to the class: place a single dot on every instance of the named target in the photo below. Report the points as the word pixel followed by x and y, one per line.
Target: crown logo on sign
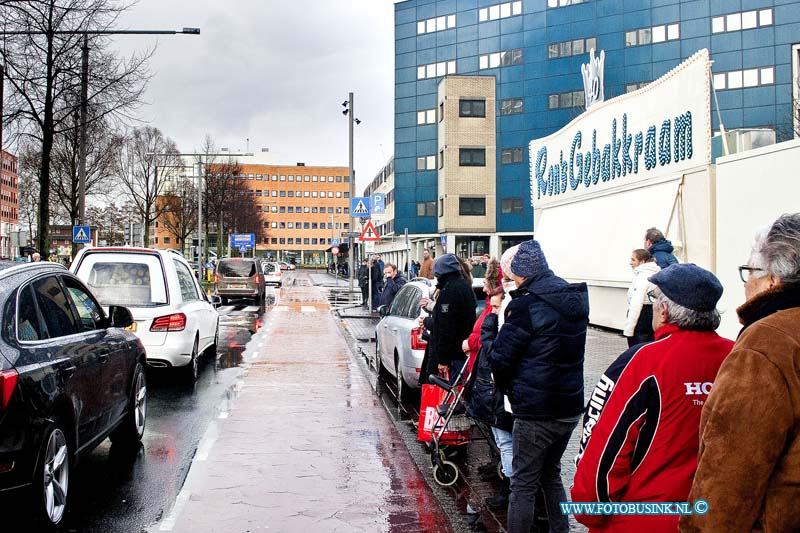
pixel 593 78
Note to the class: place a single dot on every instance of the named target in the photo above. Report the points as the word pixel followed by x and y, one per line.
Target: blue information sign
pixel 246 240
pixel 81 234
pixel 378 205
pixel 334 242
pixel 359 206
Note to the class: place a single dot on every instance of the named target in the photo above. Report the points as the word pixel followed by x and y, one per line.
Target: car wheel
pixel 131 430
pixel 52 477
pixel 190 370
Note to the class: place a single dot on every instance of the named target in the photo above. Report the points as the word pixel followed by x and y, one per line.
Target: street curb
pixel 421 458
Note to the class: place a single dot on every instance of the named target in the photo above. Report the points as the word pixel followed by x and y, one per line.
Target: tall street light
pixel 350 113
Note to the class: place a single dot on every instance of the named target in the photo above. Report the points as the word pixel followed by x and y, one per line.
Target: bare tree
pixel 28 187
pixel 110 223
pixel 221 180
pixel 42 52
pixel 244 214
pixel 145 163
pixel 180 214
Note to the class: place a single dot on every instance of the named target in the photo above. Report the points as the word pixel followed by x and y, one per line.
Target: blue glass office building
pixel 535 49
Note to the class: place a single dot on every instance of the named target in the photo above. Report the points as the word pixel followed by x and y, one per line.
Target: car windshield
pixel 237 269
pixel 128 281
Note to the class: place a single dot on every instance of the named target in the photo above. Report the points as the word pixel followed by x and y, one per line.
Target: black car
pixel 70 376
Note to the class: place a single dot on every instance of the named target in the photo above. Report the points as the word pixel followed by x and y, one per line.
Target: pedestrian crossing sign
pixel 359 206
pixel 369 233
pixel 81 234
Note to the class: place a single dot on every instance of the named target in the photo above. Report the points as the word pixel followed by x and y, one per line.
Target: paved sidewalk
pixel 306 446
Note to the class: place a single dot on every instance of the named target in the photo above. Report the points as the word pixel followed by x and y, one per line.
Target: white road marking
pixel 307 309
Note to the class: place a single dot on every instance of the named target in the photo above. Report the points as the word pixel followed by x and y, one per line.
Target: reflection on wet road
pixel 114 490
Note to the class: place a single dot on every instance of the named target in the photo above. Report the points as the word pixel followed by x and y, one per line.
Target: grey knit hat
pixel 529 260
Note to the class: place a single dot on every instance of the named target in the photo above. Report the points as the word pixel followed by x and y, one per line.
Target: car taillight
pixel 216 279
pixel 416 339
pixel 175 322
pixel 258 279
pixel 8 380
pixel 278 273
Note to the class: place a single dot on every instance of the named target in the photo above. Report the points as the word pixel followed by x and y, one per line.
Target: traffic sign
pixel 242 249
pixel 443 239
pixel 359 206
pixel 334 250
pixel 369 233
pixel 377 203
pixel 81 234
pixel 335 242
pixel 248 240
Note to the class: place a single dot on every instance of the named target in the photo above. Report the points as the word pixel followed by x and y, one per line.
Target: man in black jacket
pixel 363 282
pixel 452 318
pixel 537 361
pixel 394 281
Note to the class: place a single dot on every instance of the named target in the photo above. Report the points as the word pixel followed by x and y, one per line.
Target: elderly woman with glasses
pixel 749 462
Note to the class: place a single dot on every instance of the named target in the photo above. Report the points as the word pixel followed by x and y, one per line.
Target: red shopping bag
pixel 458 428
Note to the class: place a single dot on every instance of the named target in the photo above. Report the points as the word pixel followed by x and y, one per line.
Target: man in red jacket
pixel 640 429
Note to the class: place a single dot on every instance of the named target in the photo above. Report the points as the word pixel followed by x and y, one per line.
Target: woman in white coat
pixel 639 321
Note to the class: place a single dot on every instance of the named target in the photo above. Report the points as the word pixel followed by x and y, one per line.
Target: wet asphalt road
pixel 113 490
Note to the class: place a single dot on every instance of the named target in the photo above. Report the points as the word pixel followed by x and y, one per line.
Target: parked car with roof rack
pixel 70 376
pixel 173 317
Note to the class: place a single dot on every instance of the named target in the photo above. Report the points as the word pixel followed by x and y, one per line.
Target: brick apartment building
pixel 9 202
pixel 303 207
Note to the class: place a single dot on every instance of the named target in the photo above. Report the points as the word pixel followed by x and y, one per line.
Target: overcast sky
pixel 275 71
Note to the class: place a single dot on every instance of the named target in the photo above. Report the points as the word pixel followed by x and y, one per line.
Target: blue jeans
pixel 538 447
pixel 505 443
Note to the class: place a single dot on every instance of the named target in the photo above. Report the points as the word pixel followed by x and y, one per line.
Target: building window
pixel 745 20
pixel 283 194
pixel 423 163
pixel 512 106
pixel 282 225
pixel 571 48
pixel 737 79
pixel 426 209
pixel 629 88
pixel 562 3
pixel 511 205
pixel 472 157
pixel 274 240
pixel 501 59
pixel 565 100
pixel 472 206
pixel 511 155
pixel 436 70
pixel 500 11
pixel 258 192
pixel 445 22
pixel 428 116
pixel 654 35
pixel 472 108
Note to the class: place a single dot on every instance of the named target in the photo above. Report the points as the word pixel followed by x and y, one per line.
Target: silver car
pixel 400 344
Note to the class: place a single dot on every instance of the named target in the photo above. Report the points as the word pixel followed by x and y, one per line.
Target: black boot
pixel 500 500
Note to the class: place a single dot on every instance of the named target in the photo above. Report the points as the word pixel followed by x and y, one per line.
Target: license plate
pixel 132 327
pixel 235 286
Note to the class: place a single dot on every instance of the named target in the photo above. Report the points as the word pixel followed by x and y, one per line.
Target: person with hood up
pixel 660 248
pixel 639 320
pixel 452 317
pixel 537 361
pixel 749 464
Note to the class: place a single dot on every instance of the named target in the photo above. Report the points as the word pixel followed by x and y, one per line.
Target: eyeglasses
pixel 749 270
pixel 652 296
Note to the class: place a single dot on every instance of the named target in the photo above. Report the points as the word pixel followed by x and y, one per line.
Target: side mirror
pixel 214 300
pixel 121 317
pixel 383 310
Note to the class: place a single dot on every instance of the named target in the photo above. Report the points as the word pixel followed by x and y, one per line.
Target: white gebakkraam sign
pixel 662 128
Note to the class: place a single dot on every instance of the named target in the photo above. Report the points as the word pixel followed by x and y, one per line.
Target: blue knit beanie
pixel 529 260
pixel 690 286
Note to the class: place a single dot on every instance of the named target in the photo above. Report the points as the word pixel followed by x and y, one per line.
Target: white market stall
pixel 636 161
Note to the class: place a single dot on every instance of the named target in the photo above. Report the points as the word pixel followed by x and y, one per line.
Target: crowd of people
pixel 682 415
